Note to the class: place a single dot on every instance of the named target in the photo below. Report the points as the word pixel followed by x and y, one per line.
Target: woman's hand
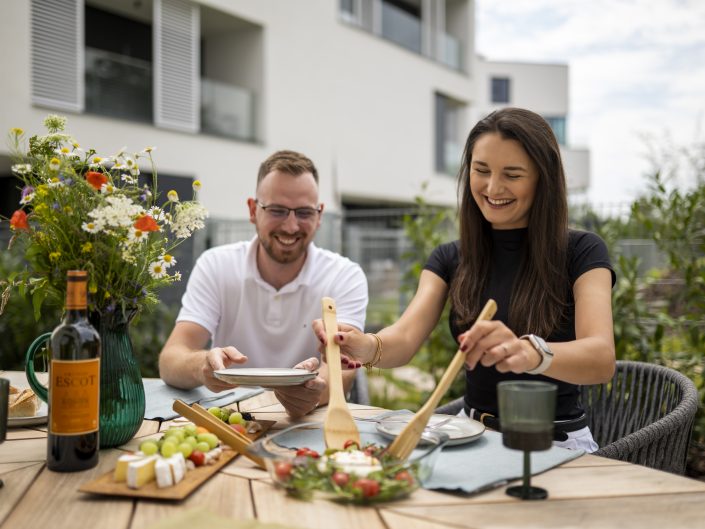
pixel 356 348
pixel 492 343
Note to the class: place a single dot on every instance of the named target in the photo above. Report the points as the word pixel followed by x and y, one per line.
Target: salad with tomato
pixel 359 474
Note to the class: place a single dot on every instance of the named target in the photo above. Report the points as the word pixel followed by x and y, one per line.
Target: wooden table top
pixel 587 492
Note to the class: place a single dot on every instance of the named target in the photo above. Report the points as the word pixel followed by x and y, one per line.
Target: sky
pixel 637 77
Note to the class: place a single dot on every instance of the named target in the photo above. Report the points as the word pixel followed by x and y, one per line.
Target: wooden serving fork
pixel 407 440
pixel 338 426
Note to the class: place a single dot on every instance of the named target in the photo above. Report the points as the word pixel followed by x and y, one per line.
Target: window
pixel 558 126
pixel 118 70
pixel 449 134
pixel 500 90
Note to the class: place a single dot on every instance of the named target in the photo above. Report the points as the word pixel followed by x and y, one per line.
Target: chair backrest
pixel 644 415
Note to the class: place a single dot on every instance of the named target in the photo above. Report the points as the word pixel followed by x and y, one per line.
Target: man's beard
pixel 278 253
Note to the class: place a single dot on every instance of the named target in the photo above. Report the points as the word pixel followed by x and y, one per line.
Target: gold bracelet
pixel 378 353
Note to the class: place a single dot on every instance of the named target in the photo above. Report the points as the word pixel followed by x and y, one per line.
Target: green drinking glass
pixel 527 409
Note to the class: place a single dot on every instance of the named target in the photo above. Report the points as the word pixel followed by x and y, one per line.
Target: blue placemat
pixel 473 467
pixel 159 398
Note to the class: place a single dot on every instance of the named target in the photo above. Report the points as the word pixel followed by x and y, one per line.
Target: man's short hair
pixel 291 162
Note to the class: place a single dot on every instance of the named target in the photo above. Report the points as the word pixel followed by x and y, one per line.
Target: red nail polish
pixel 463 348
pixel 340 337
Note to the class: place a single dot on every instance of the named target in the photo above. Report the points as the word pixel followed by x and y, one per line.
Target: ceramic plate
pixel 265 377
pixel 39 418
pixel 460 430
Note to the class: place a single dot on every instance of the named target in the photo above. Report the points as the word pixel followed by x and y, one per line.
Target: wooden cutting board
pixel 106 485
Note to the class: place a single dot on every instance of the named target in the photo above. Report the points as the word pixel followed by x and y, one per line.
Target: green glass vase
pixel 121 390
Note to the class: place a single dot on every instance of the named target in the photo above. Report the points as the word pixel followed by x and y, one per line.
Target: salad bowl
pixel 297 461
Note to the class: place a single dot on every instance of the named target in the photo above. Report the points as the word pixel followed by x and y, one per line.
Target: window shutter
pixel 57 53
pixel 177 95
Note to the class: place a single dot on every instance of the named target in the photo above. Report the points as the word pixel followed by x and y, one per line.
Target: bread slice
pixel 23 404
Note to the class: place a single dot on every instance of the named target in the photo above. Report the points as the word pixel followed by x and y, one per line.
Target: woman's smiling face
pixel 503 181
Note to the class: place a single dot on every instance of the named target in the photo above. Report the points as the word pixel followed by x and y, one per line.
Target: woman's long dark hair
pixel 539 291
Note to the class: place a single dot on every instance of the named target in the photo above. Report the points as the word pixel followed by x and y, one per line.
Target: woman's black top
pixel 585 252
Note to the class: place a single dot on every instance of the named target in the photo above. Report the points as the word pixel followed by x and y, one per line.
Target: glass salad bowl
pixel 297 461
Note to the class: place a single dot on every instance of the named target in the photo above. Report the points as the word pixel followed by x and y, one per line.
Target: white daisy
pixel 157 269
pixel 107 189
pixel 90 227
pixel 54 164
pixel 22 168
pixel 128 179
pixel 168 260
pixel 134 235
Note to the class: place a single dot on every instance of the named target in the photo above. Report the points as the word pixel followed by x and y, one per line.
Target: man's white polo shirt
pixel 228 297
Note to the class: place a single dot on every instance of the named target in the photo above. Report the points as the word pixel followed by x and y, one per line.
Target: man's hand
pixel 219 358
pixel 300 400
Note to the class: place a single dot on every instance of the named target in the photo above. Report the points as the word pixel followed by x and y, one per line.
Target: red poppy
pixel 96 179
pixel 19 220
pixel 146 223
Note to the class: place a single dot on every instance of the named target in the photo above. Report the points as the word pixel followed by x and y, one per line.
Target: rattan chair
pixel 644 415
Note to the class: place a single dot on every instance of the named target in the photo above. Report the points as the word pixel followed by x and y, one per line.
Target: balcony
pixel 401 27
pixel 449 51
pixel 118 86
pixel 227 110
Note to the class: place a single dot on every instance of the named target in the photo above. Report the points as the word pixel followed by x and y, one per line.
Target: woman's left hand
pixel 492 343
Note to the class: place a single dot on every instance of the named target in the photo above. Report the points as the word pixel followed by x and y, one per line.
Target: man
pixel 254 301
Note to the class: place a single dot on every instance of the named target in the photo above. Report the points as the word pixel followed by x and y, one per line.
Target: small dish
pixel 41 417
pixel 265 377
pixel 460 430
pixel 298 462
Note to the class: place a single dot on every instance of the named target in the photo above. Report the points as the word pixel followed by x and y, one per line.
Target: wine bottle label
pixel 74 394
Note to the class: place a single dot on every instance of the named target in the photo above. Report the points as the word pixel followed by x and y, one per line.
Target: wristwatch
pixel 543 349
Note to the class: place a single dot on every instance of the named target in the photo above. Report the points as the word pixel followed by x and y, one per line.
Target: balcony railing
pixel 118 85
pixel 227 110
pixel 449 51
pixel 401 27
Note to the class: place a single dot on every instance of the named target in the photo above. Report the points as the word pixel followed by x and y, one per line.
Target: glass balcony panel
pixel 449 51
pixel 227 110
pixel 118 85
pixel 401 27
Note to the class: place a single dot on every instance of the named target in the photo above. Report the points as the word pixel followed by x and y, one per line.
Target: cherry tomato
pixel 351 442
pixel 307 452
pixel 340 478
pixel 198 458
pixel 405 476
pixel 283 469
pixel 369 487
pixel 238 428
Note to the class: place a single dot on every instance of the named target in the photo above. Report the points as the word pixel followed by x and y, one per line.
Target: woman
pixel 552 285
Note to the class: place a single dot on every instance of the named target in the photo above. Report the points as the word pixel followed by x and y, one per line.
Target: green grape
pixel 215 411
pixel 171 438
pixel 190 429
pixel 168 449
pixel 179 433
pixel 191 440
pixel 149 447
pixel 236 418
pixel 185 449
pixel 225 414
pixel 203 447
pixel 209 438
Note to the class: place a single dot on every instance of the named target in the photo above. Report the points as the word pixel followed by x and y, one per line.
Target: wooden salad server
pixel 409 437
pixel 338 426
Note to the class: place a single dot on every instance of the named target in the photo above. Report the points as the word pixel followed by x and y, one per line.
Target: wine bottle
pixel 74 384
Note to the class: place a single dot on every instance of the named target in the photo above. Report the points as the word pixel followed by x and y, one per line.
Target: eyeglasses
pixel 282 212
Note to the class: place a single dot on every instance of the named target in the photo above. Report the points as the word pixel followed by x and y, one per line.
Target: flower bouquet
pixel 79 210
pixel 82 211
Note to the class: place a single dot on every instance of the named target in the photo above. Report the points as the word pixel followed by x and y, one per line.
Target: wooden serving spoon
pixel 338 426
pixel 409 437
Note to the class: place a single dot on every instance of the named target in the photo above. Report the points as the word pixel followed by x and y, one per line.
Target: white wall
pixel 361 107
pixel 542 88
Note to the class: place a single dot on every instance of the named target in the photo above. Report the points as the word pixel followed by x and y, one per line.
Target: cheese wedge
pixel 162 470
pixel 141 472
pixel 170 471
pixel 122 464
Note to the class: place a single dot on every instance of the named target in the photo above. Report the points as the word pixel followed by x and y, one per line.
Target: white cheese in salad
pixel 354 462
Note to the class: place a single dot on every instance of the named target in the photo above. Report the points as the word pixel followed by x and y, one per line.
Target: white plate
pixel 460 430
pixel 34 420
pixel 265 377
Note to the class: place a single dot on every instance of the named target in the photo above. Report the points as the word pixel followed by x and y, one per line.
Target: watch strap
pixel 543 349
